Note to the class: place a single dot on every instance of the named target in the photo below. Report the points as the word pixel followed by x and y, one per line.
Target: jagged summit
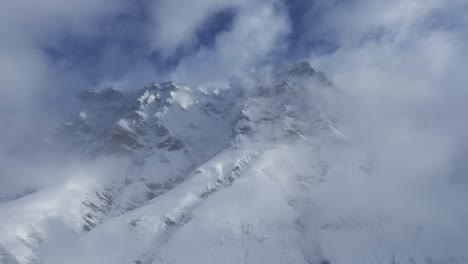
pixel 107 94
pixel 301 68
pixel 162 85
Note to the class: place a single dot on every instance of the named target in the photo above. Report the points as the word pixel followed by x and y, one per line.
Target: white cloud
pixel 175 22
pixel 28 74
pixel 400 65
pixel 27 26
pixel 257 32
pixel 403 99
pixel 413 79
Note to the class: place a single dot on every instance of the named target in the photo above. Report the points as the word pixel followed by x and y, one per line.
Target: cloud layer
pixel 399 64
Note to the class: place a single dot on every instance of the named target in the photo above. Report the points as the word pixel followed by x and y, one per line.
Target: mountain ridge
pixel 223 175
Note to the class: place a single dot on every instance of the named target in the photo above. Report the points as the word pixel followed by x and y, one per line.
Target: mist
pixel 396 170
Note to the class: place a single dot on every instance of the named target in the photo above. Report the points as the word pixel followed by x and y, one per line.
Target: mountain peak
pixel 106 94
pixel 301 69
pixel 161 86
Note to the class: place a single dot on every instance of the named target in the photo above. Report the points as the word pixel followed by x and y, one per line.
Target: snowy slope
pixel 172 174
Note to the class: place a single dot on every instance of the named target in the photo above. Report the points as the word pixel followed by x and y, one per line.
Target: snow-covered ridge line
pixel 181 175
pixel 214 180
pixel 164 127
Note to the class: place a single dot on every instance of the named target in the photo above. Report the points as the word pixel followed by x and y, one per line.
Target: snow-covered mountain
pixel 247 174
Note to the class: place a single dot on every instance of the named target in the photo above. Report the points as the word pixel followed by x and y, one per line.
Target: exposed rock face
pixel 105 95
pixel 301 69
